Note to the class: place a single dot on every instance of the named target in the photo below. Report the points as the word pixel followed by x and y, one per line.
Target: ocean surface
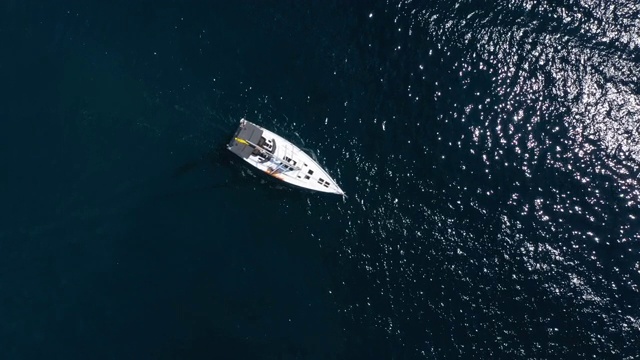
pixel 490 151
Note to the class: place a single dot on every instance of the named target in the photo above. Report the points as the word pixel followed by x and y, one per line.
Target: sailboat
pixel 279 158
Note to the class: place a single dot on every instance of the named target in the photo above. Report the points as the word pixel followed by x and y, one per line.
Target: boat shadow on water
pixel 241 175
pixel 236 176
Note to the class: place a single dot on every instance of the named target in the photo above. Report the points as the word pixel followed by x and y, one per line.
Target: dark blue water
pixel 490 151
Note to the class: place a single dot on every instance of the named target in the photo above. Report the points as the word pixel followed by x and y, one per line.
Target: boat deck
pixel 280 158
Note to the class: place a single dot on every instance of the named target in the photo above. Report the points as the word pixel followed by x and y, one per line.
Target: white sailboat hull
pixel 279 158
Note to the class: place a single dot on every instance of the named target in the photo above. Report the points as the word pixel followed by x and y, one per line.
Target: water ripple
pixel 514 232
